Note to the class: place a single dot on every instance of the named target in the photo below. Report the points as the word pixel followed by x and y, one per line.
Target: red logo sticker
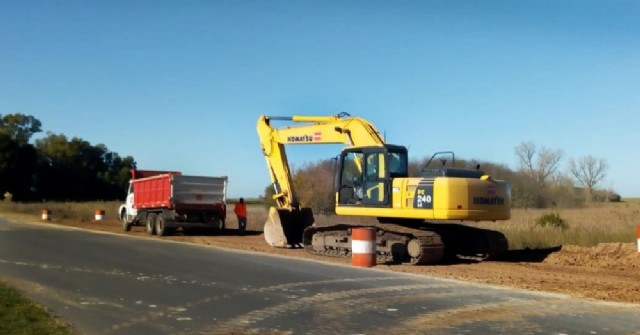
pixel 491 189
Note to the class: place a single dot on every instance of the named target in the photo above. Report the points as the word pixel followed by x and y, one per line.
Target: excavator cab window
pixel 376 181
pixel 398 164
pixel 351 178
pixel 366 172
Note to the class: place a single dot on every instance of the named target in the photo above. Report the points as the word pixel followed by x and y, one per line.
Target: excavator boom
pixel 338 129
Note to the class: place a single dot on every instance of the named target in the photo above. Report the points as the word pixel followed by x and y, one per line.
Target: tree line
pixel 537 182
pixel 55 167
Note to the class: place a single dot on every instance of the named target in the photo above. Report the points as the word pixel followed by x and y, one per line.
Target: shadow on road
pixel 216 232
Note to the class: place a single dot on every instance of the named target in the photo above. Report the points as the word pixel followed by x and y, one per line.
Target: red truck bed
pixel 172 190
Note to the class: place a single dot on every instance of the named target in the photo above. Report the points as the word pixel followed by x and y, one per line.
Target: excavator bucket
pixel 284 227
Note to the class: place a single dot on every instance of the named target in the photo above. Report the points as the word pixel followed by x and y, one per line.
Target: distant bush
pixel 551 220
pixel 615 197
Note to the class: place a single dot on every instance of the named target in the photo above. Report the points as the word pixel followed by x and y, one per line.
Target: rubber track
pixel 497 243
pixel 431 246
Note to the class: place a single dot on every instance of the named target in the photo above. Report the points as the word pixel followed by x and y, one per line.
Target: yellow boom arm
pixel 342 128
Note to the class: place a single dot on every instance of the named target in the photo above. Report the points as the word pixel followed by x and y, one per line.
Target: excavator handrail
pixel 453 159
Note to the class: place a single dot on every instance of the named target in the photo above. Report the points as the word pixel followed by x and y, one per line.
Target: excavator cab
pixel 365 174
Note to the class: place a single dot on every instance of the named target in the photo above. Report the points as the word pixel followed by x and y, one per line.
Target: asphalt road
pixel 109 284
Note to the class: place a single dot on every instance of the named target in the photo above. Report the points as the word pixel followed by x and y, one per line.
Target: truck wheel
pixel 161 230
pixel 126 226
pixel 151 223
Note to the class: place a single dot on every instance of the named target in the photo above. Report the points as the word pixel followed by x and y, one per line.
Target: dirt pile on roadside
pixel 610 256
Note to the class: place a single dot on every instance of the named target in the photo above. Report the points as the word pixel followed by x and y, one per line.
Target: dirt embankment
pixel 608 272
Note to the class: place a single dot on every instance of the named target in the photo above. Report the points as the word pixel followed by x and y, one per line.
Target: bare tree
pixel 588 172
pixel 538 164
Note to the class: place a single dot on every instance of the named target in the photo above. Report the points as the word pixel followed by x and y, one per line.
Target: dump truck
pixel 167 200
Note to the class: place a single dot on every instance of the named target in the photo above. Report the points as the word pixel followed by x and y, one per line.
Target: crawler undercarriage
pixel 420 243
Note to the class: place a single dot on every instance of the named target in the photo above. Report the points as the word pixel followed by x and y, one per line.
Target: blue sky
pixel 179 85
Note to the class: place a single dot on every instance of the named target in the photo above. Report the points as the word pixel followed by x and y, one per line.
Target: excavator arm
pixel 338 129
pixel 286 221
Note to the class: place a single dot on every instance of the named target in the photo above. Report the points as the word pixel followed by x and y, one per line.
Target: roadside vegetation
pixel 78 211
pixel 587 226
pixel 56 167
pixel 535 228
pixel 19 315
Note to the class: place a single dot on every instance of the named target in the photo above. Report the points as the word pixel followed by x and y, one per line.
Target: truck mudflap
pixel 284 227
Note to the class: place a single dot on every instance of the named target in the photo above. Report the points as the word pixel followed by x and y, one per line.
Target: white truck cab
pixel 126 212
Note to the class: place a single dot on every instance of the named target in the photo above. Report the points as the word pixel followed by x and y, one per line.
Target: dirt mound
pixel 615 256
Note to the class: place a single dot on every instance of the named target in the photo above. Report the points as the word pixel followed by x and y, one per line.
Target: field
pixel 588 252
pixel 587 227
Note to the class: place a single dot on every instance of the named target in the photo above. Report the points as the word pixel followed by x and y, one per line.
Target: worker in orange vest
pixel 241 212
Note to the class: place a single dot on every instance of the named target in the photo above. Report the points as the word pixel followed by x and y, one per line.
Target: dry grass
pixel 81 211
pixel 600 223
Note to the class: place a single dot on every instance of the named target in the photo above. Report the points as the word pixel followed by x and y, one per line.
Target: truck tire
pixel 161 229
pixel 126 226
pixel 151 223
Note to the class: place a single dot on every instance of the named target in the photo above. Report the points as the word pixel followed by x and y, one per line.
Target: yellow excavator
pixel 416 218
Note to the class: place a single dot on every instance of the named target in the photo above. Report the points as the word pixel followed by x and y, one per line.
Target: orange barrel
pixel 363 247
pixel 46 214
pixel 99 214
pixel 638 236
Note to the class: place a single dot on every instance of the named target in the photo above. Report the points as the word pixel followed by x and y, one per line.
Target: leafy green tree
pixel 17 167
pixel 20 127
pixel 17 157
pixel 57 168
pixel 73 169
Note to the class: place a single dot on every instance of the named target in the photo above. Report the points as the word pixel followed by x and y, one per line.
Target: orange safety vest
pixel 240 209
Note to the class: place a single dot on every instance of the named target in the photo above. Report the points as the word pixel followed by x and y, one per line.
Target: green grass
pixel 20 316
